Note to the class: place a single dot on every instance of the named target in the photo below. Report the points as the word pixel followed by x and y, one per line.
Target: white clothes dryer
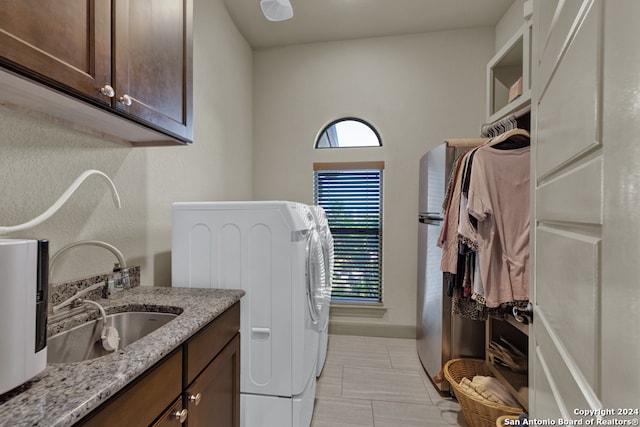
pixel 326 238
pixel 272 251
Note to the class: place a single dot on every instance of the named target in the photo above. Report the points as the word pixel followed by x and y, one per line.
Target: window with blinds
pixel 351 195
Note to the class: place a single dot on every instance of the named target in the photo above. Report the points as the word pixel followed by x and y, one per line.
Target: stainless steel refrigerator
pixel 440 335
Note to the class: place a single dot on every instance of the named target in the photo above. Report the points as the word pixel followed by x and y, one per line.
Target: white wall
pixel 416 90
pixel 509 24
pixel 41 158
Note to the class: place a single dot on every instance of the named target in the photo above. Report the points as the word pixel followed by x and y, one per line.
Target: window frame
pixel 343 236
pixel 346 119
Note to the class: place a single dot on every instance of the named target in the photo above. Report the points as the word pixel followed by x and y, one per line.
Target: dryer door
pixel 315 276
pixel 327 253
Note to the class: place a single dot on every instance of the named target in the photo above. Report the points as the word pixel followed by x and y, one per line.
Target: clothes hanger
pixel 506 135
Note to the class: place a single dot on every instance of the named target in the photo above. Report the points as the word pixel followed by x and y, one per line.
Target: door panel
pixel 76 55
pixel 545 403
pixel 562 372
pixel 431 329
pixel 586 359
pixel 217 390
pixel 570 109
pixel 153 49
pixel 582 186
pixel 559 18
pixel 567 233
pixel 576 280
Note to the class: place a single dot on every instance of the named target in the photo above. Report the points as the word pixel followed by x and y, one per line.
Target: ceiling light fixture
pixel 276 10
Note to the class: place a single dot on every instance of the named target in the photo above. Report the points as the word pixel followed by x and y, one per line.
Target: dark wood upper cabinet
pixel 65 44
pixel 153 57
pixel 129 58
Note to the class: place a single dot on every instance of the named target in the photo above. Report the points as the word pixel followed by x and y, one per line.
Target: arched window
pixel 348 132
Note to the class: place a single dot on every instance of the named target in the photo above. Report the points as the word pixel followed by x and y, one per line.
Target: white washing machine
pixel 273 252
pixel 326 238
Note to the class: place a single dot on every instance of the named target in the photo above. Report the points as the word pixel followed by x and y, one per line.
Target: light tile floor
pixel 378 382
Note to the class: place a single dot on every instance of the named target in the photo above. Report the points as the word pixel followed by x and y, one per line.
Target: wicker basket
pixel 476 412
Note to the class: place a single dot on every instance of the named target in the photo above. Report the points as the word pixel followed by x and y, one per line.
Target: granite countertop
pixel 64 393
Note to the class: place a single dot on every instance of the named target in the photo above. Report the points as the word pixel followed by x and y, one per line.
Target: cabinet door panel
pixel 142 401
pixel 153 56
pixel 65 44
pixel 219 389
pixel 211 340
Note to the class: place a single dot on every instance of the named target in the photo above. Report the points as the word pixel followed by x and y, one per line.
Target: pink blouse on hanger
pixel 499 199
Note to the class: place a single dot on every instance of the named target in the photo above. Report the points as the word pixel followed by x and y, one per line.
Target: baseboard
pixel 372 330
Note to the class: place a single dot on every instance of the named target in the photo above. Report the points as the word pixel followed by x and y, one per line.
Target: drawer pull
pixel 195 398
pixel 180 415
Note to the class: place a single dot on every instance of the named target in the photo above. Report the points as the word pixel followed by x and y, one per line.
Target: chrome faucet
pixel 109 336
pixel 55 257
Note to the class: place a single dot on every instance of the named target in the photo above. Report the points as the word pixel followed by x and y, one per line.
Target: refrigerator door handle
pixel 430 221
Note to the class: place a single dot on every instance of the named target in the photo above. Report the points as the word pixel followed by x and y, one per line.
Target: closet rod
pixel 513 116
pixel 474 142
pixel 517 119
pixel 522 112
pixel 465 142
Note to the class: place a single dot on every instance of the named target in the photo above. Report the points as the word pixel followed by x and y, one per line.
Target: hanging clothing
pixel 448 234
pixel 498 198
pixel 467 224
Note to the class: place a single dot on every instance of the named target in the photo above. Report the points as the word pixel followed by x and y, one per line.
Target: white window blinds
pixel 352 200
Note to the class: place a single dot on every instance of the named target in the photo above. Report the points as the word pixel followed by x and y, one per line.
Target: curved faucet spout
pixel 61 201
pixel 55 257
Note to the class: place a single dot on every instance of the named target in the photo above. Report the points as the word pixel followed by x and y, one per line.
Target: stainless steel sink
pixel 83 342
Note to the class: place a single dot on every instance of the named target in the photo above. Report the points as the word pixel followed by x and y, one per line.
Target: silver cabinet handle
pixel 107 90
pixel 126 100
pixel 180 415
pixel 195 398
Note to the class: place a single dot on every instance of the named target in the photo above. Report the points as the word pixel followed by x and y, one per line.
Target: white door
pixel 585 338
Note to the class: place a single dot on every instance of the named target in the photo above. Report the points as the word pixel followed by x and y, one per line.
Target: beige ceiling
pixel 330 20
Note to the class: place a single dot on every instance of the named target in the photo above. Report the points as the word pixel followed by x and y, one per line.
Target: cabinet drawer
pixel 203 347
pixel 140 403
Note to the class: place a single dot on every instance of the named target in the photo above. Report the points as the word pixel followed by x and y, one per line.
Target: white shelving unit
pixel 516 382
pixel 510 63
